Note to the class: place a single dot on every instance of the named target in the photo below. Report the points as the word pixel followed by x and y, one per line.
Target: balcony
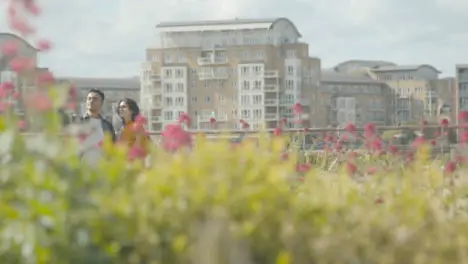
pixel 156 119
pixel 270 74
pixel 213 75
pixel 211 60
pixel 271 102
pixel 156 77
pixel 271 117
pixel 287 102
pixel 270 88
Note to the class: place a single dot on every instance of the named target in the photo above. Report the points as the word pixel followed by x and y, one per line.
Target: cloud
pixel 109 37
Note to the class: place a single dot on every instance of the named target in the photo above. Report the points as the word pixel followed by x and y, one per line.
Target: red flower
pixel 6 87
pixel 464 136
pixel 432 142
pixel 350 168
pixel 283 120
pixel 212 120
pixel 352 155
pixel 392 149
pixel 424 123
pixel 450 167
pixel 444 122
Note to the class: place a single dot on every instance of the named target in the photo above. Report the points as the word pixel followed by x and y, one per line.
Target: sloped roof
pixel 414 67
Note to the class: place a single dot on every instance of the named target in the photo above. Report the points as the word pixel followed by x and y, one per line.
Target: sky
pixel 108 38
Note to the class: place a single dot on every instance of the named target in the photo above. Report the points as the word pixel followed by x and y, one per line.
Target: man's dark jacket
pixel 107 126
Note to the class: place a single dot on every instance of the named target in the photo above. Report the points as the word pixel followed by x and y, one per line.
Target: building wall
pixel 342 102
pixel 462 87
pixel 253 75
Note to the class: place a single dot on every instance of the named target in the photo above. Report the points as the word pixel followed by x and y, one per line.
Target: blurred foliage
pixel 210 205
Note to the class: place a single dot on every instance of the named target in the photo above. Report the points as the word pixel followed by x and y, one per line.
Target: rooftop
pixel 403 68
pixel 330 75
pixel 226 24
pixel 103 83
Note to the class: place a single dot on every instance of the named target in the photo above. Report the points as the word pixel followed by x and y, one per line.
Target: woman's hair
pixel 131 105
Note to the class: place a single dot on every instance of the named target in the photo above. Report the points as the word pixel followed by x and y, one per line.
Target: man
pixel 97 126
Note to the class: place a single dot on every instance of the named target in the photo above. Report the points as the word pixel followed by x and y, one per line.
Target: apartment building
pixel 249 69
pixel 23 82
pixel 354 98
pixel 462 87
pixel 413 85
pixel 114 90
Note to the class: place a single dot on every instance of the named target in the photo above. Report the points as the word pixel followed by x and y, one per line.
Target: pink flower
pixel 283 120
pixel 7 86
pixel 351 128
pixel 20 64
pixel 424 123
pixel 375 145
pixel 9 48
pixel 39 102
pixel 136 153
pixel 175 137
pixel 45 78
pixel 43 45
pixel 302 168
pixel 464 136
pixel 369 129
pixel 277 131
pixel 15 95
pixel 184 118
pixel 417 142
pixel 352 155
pixel 21 26
pixel 371 170
pixel 32 7
pixel 21 124
pixel 212 120
pixel 463 116
pixel 297 109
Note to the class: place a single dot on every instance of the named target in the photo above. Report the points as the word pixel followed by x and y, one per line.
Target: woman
pixel 132 135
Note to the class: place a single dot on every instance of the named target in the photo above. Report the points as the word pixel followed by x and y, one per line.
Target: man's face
pixel 93 102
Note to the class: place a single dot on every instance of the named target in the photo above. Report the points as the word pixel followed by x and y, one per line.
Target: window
pixel 179 101
pixel 257 70
pixel 234 84
pixel 168 115
pixel 290 70
pixel 207 99
pixel 257 114
pixel 167 58
pixel 245 114
pixel 168 87
pixel 221 99
pixel 193 71
pixel 193 84
pixel 291 54
pixel 206 85
pixel 260 54
pixel 246 86
pixel 257 85
pixel 155 58
pixel 180 88
pixel 167 73
pixel 245 100
pixel 179 73
pixel 244 71
pixel 245 55
pixel 289 85
pixel 182 58
pixel 194 99
pixel 257 99
pixel 168 102
pixel 221 113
